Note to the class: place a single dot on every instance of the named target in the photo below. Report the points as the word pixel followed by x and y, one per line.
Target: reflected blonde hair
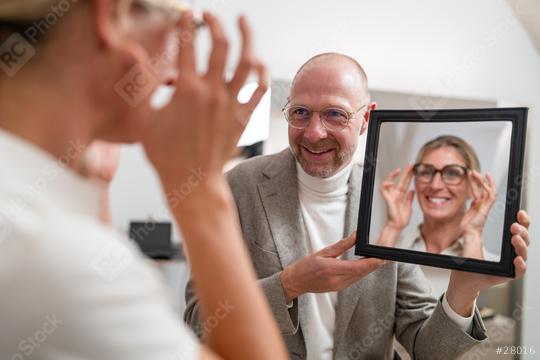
pixel 461 146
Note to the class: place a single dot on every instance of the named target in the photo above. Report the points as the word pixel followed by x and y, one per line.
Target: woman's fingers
pixel 405 179
pixel 248 108
pixel 186 56
pixel 475 180
pixel 392 175
pixel 388 183
pixel 220 47
pixel 410 198
pixel 491 182
pixel 490 186
pixel 246 62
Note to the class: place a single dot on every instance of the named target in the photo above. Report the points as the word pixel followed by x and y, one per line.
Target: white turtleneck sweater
pixel 323 203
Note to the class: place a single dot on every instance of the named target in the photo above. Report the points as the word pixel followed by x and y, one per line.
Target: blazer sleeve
pixel 286 317
pixel 422 325
pixel 192 317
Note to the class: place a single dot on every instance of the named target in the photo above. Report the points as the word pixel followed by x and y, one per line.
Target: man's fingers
pixel 520 246
pixel 186 56
pixel 523 218
pixel 520 265
pixel 246 62
pixel 338 248
pixel 359 267
pixel 220 46
pixel 518 229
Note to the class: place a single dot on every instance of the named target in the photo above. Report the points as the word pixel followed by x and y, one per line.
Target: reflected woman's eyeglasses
pixel 451 174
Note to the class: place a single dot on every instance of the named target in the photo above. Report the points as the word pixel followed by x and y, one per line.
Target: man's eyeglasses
pixel 332 118
pixel 450 174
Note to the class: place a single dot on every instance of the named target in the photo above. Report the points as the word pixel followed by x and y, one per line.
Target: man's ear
pixel 365 119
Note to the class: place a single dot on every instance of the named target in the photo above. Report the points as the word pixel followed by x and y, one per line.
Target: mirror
pixel 441 188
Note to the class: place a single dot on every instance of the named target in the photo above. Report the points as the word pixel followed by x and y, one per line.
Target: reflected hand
pixel 484 193
pixel 323 271
pixel 398 199
pixel 464 287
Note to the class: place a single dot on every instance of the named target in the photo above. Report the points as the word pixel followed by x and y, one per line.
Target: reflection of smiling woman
pixel 446 175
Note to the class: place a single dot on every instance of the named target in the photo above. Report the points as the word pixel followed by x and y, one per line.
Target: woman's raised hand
pixel 398 197
pixel 200 127
pixel 484 194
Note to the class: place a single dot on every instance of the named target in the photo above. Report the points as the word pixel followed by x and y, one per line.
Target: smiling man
pixel 324 150
pixel 295 204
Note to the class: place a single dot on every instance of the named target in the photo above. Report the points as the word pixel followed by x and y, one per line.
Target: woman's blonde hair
pixel 462 147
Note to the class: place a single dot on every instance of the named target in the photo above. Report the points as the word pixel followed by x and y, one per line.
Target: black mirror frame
pixel 505 267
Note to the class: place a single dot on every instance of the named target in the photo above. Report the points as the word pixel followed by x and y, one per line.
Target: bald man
pixel 293 206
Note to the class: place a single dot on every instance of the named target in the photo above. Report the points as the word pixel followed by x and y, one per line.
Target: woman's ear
pixel 111 20
pixel 365 118
pixel 107 22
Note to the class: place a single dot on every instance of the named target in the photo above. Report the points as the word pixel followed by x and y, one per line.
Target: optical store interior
pixel 417 56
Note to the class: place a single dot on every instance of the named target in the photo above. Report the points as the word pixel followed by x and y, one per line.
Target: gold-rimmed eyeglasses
pixel 332 118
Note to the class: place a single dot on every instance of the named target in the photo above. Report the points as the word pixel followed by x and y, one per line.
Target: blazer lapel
pixel 279 196
pixel 348 298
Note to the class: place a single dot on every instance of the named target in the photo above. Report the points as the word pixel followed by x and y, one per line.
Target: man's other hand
pixel 323 271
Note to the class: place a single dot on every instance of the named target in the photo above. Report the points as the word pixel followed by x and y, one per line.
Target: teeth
pixel 317 151
pixel 437 200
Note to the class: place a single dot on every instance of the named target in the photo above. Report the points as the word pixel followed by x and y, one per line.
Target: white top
pixel 323 202
pixel 69 287
pixel 437 277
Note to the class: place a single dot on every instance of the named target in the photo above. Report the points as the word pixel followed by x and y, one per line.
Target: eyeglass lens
pixel 451 174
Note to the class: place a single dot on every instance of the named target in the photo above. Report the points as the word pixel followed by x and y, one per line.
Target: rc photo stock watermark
pixel 112 260
pixel 6 228
pixel 29 345
pixel 142 79
pixel 19 47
